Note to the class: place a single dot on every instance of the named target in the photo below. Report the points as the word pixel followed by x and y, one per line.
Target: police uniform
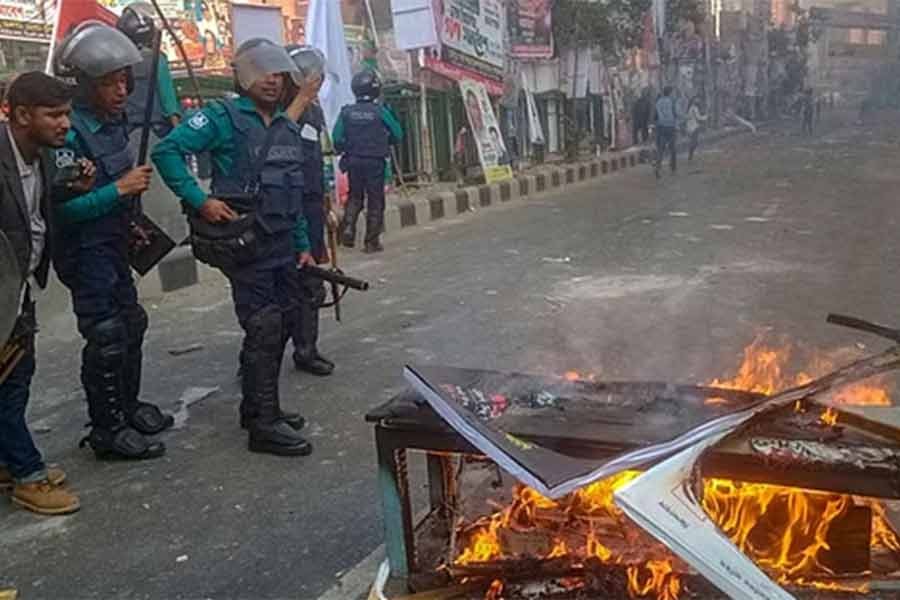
pixel 265 289
pixel 312 290
pixel 165 104
pixel 138 25
pixel 364 133
pixel 91 260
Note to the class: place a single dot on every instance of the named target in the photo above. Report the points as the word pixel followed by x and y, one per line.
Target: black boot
pixel 373 247
pixel 263 351
pixel 145 417
pixel 305 329
pixel 248 412
pixel 374 229
pixel 103 376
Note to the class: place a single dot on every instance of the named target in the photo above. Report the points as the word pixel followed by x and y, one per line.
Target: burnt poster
pixel 530 28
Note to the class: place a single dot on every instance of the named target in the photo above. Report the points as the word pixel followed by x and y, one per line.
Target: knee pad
pixel 106 343
pixel 265 329
pixel 136 322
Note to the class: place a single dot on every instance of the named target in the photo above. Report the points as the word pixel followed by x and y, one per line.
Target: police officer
pixel 305 328
pixel 140 29
pixel 256 156
pixel 91 256
pixel 364 132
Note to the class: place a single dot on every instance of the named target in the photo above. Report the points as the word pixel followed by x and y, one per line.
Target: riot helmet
pixel 310 61
pixel 366 85
pixel 258 58
pixel 137 25
pixel 92 50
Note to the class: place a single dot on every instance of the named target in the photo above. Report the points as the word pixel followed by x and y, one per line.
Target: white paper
pixel 661 503
pixel 413 24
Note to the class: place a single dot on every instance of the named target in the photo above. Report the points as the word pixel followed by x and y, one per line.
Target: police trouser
pixel 265 298
pixel 112 324
pixel 311 290
pixel 366 177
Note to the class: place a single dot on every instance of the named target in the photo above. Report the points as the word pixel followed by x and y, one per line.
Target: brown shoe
pixel 55 475
pixel 44 498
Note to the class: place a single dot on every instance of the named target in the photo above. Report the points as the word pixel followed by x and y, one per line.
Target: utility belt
pixel 229 245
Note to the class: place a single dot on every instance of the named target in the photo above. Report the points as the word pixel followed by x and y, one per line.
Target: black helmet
pixel 366 85
pixel 137 25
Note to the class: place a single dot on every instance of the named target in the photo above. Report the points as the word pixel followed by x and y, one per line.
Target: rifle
pixel 333 275
pixel 148 243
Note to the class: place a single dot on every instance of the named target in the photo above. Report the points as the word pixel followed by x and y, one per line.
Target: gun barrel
pixel 337 277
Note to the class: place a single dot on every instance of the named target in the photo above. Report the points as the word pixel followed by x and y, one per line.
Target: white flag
pixel 325 31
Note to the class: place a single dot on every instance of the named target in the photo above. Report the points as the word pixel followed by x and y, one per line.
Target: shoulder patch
pixel 65 157
pixel 198 121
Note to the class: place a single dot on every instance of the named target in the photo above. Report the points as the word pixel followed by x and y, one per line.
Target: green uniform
pixel 209 130
pixel 166 88
pixel 101 200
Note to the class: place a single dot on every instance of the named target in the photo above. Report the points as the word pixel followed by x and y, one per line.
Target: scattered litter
pixel 186 349
pixel 860 345
pixel 39 429
pixel 491 292
pixel 182 558
pixel 722 227
pixel 369 340
pixel 646 221
pixel 679 214
pixel 783 184
pixel 512 251
pixel 757 220
pixel 189 397
pixel 564 259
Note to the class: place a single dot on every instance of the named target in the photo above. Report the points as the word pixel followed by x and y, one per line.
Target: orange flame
pixel 784 530
pixel 829 417
pixel 660 580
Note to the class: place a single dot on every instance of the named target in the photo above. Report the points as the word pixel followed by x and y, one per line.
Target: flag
pixel 325 31
pixel 70 13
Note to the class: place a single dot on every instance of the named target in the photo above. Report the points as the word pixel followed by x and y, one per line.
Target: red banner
pixel 72 12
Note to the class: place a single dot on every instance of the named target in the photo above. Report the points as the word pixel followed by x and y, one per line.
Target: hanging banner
pixel 472 35
pixel 492 152
pixel 535 130
pixel 530 29
pixel 26 20
pixel 205 29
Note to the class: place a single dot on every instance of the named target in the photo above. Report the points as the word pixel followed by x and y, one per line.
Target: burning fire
pixel 784 530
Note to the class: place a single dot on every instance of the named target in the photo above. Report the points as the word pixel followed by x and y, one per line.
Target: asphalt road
pixel 625 278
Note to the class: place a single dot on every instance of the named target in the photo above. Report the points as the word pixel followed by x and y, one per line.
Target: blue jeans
pixel 17 449
pixel 665 144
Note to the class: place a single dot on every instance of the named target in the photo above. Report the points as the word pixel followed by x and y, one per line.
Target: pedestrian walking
pixel 305 327
pixel 694 119
pixel 807 107
pixel 251 224
pixel 640 118
pixel 364 133
pixel 91 256
pixel 39 108
pixel 666 130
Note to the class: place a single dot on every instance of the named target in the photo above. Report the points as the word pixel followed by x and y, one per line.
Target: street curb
pixel 419 211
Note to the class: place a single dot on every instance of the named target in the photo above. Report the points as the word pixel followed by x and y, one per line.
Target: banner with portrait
pixel 204 28
pixel 492 151
pixel 530 28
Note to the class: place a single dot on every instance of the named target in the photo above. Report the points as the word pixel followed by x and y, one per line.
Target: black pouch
pixel 226 245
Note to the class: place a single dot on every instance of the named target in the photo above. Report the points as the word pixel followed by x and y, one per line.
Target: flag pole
pixel 48 69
